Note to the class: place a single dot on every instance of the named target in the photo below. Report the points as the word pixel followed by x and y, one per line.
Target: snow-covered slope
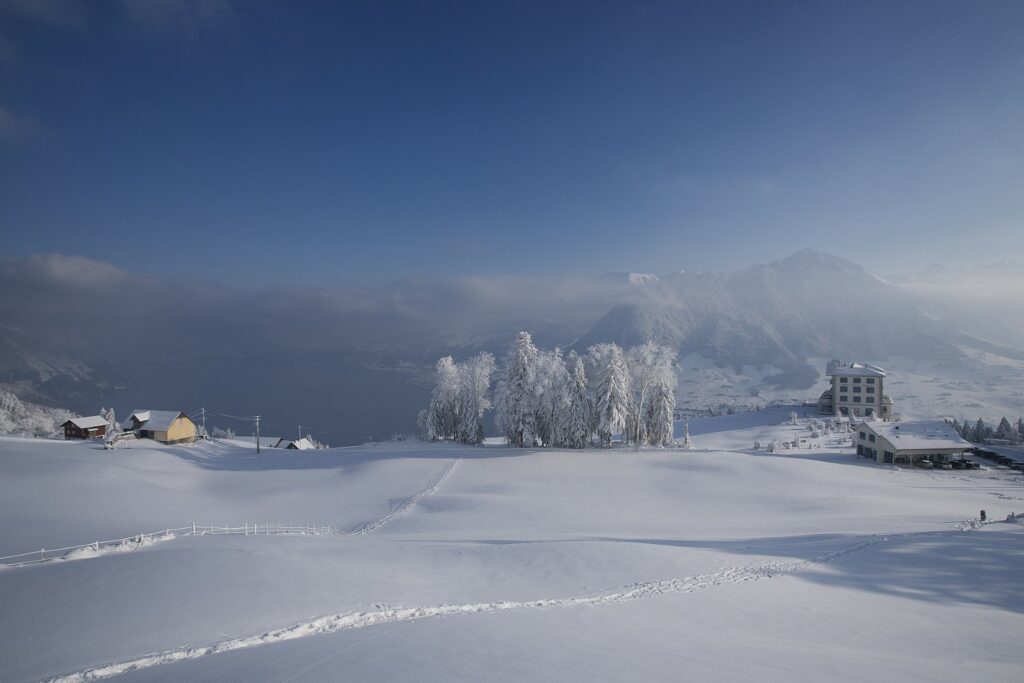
pixel 501 564
pixel 781 314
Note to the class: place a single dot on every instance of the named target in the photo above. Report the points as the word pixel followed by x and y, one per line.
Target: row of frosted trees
pixel 545 398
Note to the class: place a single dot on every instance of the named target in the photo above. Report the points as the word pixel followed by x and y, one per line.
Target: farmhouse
pixel 92 427
pixel 856 391
pixel 165 426
pixel 908 442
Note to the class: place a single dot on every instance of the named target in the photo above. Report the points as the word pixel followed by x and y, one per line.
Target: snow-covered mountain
pixel 807 305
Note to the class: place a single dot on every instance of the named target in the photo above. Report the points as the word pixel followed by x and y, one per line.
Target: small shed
pixel 165 426
pixel 91 427
pixel 303 444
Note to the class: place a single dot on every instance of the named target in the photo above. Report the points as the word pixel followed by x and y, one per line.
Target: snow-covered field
pixel 459 563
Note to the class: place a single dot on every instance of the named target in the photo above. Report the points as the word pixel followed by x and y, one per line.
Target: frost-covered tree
pixel 113 428
pixel 24 418
pixel 613 404
pixel 443 413
pixel 660 407
pixel 1020 428
pixel 474 380
pixel 460 397
pixel 517 393
pixel 551 397
pixel 979 431
pixel 1006 431
pixel 576 428
pixel 651 368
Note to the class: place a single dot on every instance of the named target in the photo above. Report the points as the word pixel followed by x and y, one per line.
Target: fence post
pixel 193 528
pixel 96 545
pixel 42 554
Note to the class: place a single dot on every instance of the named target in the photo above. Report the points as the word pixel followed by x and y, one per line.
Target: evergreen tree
pixel 612 406
pixel 979 431
pixel 660 408
pixel 443 413
pixel 576 426
pixel 516 399
pixel 550 395
pixel 474 383
pixel 1006 431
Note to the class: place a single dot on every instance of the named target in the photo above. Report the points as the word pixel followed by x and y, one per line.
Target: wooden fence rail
pixel 139 540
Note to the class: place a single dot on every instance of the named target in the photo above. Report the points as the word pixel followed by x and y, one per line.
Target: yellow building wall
pixel 182 429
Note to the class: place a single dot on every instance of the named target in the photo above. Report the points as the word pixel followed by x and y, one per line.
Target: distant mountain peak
pixel 812 258
pixel 631 278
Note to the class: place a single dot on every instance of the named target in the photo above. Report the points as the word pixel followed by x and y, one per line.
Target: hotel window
pixel 870 380
pixel 856 399
pixel 870 390
pixel 843 380
pixel 863 436
pixel 871 438
pixel 844 398
pixel 856 380
pixel 856 390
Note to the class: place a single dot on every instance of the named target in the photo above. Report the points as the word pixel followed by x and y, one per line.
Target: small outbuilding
pixel 91 427
pixel 908 442
pixel 165 426
pixel 303 444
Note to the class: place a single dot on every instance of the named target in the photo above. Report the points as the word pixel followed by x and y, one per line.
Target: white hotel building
pixel 857 391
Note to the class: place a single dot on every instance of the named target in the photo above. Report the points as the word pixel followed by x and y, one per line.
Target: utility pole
pixel 204 422
pixel 257 435
pixel 300 432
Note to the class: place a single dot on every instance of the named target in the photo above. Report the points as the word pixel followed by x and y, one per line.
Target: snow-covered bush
pixel 23 418
pixel 219 433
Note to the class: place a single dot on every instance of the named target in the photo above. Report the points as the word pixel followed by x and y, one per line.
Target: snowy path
pixel 402 506
pixel 396 509
pixel 387 615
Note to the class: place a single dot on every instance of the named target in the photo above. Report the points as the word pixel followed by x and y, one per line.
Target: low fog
pixel 349 362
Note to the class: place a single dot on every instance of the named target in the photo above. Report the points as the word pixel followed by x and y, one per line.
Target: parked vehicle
pixel 959 464
pixel 942 465
pixel 924 463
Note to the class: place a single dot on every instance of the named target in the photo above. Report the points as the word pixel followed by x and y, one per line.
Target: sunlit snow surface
pixel 501 564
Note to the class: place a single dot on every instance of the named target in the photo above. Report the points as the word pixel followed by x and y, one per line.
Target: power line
pixel 250 418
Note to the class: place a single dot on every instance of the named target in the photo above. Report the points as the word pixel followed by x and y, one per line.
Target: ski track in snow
pixel 397 508
pixel 387 615
pixel 402 506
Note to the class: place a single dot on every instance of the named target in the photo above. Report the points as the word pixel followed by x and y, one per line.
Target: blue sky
pixel 318 142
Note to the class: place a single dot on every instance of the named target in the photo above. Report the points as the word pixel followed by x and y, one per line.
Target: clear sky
pixel 322 141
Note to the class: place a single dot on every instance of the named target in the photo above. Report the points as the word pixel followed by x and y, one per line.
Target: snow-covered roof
pixel 837 368
pixel 303 444
pixel 918 435
pixel 154 420
pixel 89 422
